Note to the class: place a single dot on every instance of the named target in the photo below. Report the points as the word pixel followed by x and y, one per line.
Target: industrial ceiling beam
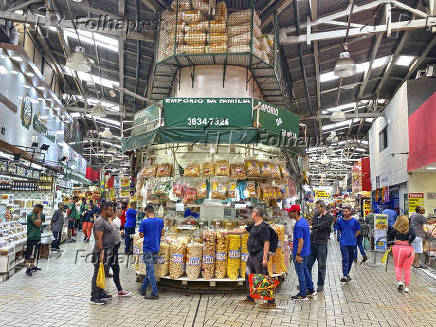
pixel 22 5
pixel 347 116
pixel 121 11
pixel 276 9
pixel 108 112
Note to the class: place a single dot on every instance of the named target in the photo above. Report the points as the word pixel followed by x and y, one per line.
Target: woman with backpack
pixel 402 251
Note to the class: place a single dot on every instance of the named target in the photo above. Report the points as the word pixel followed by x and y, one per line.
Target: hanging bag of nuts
pixel 194 252
pixel 234 261
pixel 208 264
pixel 177 263
pixel 163 260
pixel 221 255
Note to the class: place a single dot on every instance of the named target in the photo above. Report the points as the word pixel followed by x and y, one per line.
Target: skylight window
pixel 89 37
pixel 105 120
pixel 336 125
pixel 404 60
pixel 92 78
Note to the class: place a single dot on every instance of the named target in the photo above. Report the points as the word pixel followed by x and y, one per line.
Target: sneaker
pixel 97 301
pixel 400 286
pixel 344 279
pixel 72 240
pixel 299 297
pixel 268 305
pixel 87 240
pixel 348 278
pixel 106 297
pixel 142 292
pixel 29 272
pixel 364 259
pixel 151 297
pixel 35 268
pixel 124 293
pixel 246 301
pixel 406 289
pixel 320 289
pixel 84 239
pixel 312 293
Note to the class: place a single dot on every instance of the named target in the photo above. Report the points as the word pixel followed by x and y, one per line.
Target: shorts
pixel 32 249
pixel 71 224
pixel 76 223
pixel 417 244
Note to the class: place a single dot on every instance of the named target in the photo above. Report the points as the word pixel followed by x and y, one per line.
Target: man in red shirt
pixel 123 215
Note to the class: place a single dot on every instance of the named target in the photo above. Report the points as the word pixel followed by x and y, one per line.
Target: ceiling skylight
pixel 404 60
pixel 92 78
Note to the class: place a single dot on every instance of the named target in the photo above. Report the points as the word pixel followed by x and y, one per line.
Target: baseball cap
pixel 294 207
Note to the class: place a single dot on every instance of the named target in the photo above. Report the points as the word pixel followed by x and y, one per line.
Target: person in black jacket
pixel 321 228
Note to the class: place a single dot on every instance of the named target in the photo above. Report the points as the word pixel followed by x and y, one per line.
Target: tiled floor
pixel 59 294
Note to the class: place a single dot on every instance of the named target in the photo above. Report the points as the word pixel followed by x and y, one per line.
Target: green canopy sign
pixel 145 120
pixel 276 120
pixel 208 112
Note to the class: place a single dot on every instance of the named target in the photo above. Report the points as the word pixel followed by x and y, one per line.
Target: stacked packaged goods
pixel 163 260
pixel 221 255
pixel 234 257
pixel 209 246
pixel 244 254
pixel 242 25
pixel 177 259
pixel 280 266
pixel 194 253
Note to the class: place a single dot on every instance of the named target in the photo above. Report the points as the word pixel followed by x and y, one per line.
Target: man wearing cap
pixel 321 229
pixel 300 251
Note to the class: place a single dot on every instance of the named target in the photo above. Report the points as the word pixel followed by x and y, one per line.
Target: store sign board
pixel 380 222
pixel 415 200
pixel 146 120
pixel 366 207
pixel 322 194
pixel 276 120
pixel 125 187
pixel 207 112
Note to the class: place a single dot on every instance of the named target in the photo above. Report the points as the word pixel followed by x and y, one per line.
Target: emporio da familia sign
pixel 29 119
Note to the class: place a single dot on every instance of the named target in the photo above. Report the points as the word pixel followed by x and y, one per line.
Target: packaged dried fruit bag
pixel 222 168
pixel 192 170
pixel 202 190
pixel 238 171
pixel 208 169
pixel 234 256
pixel 231 189
pixel 178 190
pixel 252 168
pixel 209 249
pixel 266 169
pixel 164 170
pixel 219 190
pixel 190 195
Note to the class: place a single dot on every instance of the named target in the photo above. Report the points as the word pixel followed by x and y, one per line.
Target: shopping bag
pixel 366 243
pixel 101 277
pixel 385 255
pixel 262 287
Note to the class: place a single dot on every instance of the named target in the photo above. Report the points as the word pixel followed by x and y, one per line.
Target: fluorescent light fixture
pixel 75 114
pixel 3 70
pixel 105 120
pixel 14 72
pixel 369 120
pixel 19 12
pixel 327 77
pixel 42 88
pixel 431 168
pixel 364 142
pixel 30 74
pixel 360 150
pixel 92 78
pixel 404 60
pixel 17 58
pixel 336 125
pixel 106 105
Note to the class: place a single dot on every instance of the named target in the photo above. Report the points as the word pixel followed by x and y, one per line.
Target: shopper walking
pixel 258 244
pixel 129 227
pixel 83 210
pixel 348 229
pixel 102 252
pixel 417 221
pixel 151 230
pixel 321 229
pixel 57 224
pixel 71 215
pixel 115 223
pixel 300 252
pixel 402 236
pixel 34 222
pixel 364 233
pixel 392 217
pixel 88 220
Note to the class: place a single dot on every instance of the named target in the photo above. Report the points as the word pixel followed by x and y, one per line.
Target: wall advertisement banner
pixel 208 112
pixel 125 187
pixel 366 207
pixel 415 200
pixel 276 120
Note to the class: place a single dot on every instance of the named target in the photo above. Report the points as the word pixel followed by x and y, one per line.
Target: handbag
pixel 101 277
pixel 366 243
pixel 262 287
pixel 385 255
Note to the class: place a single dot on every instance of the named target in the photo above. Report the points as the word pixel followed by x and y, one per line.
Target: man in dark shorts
pixel 71 215
pixel 34 222
pixel 258 244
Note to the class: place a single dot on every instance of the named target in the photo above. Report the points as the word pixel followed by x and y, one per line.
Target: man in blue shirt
pixel 129 227
pixel 392 218
pixel 348 229
pixel 151 230
pixel 300 251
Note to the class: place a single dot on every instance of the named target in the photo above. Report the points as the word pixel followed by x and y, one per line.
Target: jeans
pixel 254 266
pixel 116 267
pixel 318 252
pixel 96 292
pixel 347 258
pixel 361 248
pixel 57 241
pixel 128 241
pixel 304 278
pixel 150 260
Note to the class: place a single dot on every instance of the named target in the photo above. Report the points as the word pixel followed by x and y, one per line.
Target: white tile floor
pixel 59 294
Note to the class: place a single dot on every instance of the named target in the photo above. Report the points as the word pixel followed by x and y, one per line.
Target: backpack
pixel 273 239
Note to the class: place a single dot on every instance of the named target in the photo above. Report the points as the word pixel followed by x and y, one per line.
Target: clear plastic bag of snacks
pixel 234 256
pixel 221 11
pixel 163 260
pixel 280 266
pixel 177 259
pixel 193 49
pixel 194 254
pixel 243 16
pixel 190 194
pixel 195 38
pixel 216 48
pixel 164 170
pixel 201 5
pixel 231 189
pixel 182 4
pixel 252 168
pixel 209 249
pixel 221 255
pixel 237 171
pixel 219 189
pixel 217 38
pixel 197 27
pixel 178 189
pixel 208 169
pixel 192 170
pixel 244 254
pixel 251 189
pixel 266 169
pixel 192 16
pixel 202 190
pixel 222 168
pixel 150 171
pixel 217 26
pixel 275 171
pixel 284 171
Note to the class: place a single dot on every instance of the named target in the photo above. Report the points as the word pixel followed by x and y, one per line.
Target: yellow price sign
pixel 322 194
pixel 415 200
